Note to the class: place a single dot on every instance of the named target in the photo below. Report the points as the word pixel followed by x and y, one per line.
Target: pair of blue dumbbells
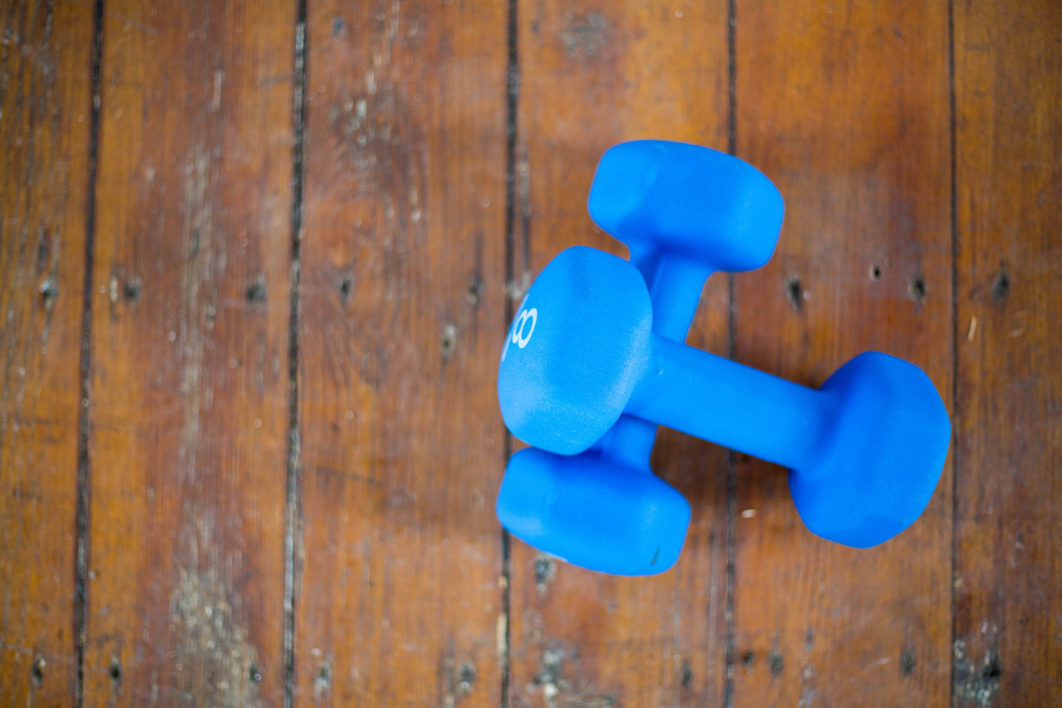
pixel 595 359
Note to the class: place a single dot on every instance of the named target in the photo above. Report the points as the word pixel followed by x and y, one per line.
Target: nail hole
pixel 907 662
pixel 474 292
pixel 748 659
pixel 875 272
pixel 37 670
pixel 255 674
pixel 917 289
pixel 449 340
pixel 132 290
pixel 323 682
pixel 776 663
pixel 116 670
pixel 256 292
pixel 49 291
pixel 467 677
pixel 687 674
pixel 1001 286
pixel 346 287
pixel 794 293
pixel 544 572
pixel 992 670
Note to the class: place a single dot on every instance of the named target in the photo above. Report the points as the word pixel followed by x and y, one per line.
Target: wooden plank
pixel 190 330
pixel 591 76
pixel 845 106
pixel 402 317
pixel 45 105
pixel 1008 545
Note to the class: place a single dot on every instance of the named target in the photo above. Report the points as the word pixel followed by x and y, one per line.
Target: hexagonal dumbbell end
pixel 865 452
pixel 594 512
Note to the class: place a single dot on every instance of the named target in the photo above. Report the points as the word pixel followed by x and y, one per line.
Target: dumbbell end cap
pixel 575 351
pixel 708 206
pixel 884 457
pixel 593 513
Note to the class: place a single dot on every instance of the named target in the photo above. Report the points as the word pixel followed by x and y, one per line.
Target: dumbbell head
pixel 688 200
pixel 887 441
pixel 593 512
pixel 575 351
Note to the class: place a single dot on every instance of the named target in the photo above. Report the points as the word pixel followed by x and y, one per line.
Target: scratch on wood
pixel 501 633
pixel 215 97
pixel 198 225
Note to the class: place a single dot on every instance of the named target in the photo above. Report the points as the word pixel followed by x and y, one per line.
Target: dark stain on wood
pixel 585 35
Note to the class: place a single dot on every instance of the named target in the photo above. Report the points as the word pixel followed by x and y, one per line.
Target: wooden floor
pixel 257 262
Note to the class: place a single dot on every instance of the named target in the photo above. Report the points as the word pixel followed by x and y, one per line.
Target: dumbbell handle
pixel 719 400
pixel 675 286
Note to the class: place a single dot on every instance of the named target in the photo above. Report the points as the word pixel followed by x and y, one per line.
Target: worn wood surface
pixel 399 601
pixel 45 111
pixel 189 376
pixel 306 227
pixel 1008 408
pixel 846 107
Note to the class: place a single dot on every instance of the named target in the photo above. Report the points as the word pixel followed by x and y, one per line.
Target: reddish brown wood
pixel 845 106
pixel 189 401
pixel 400 583
pixel 402 316
pixel 45 87
pixel 592 75
pixel 1008 574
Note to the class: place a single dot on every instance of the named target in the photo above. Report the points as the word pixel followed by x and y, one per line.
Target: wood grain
pixel 1008 574
pixel 45 105
pixel 402 316
pixel 190 327
pixel 845 106
pixel 590 76
pixel 414 250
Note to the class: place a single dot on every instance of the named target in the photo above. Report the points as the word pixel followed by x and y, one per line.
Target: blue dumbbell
pixel 865 450
pixel 684 211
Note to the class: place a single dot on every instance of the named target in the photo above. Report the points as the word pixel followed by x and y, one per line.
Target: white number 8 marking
pixel 519 337
pixel 521 324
